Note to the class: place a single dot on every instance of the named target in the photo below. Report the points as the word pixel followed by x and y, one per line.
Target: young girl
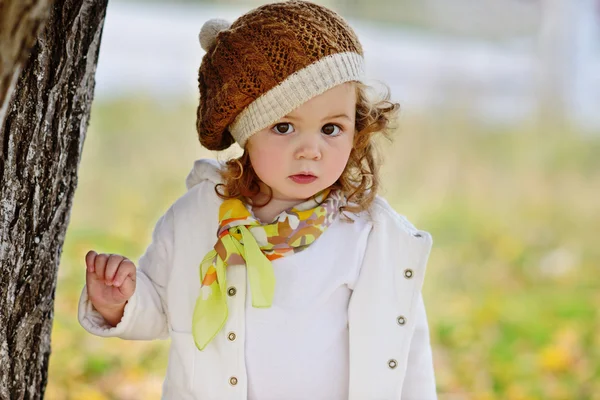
pixel 280 274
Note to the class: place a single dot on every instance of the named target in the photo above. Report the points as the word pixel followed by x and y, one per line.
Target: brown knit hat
pixel 266 64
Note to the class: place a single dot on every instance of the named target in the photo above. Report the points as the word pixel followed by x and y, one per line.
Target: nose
pixel 308 147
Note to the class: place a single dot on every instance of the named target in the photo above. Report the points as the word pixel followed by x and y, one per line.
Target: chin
pixel 309 191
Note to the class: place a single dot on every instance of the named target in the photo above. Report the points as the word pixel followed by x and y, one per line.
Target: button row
pixel 408 273
pixel 231 291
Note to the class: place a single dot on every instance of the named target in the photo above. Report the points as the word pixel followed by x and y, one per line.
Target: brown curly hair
pixel 360 179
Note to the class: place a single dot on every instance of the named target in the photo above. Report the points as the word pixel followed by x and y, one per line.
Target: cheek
pixel 342 152
pixel 339 161
pixel 266 161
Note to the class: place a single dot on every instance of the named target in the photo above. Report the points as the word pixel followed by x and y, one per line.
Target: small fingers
pixel 90 258
pixel 112 265
pixel 126 269
pixel 100 265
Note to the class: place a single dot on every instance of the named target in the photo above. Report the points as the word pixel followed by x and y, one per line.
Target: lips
pixel 303 177
pixel 304 173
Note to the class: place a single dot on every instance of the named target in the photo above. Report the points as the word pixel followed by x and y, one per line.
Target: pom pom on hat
pixel 209 31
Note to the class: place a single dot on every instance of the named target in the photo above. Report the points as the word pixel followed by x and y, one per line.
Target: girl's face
pixel 314 139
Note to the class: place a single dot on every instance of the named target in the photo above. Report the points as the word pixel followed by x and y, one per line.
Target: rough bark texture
pixel 20 23
pixel 40 147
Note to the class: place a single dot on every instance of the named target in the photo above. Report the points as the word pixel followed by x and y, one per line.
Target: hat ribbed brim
pixel 295 90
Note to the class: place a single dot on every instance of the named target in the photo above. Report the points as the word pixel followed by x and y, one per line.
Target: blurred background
pixel 497 154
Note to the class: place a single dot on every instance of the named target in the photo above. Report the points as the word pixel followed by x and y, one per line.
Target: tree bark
pixel 20 23
pixel 41 140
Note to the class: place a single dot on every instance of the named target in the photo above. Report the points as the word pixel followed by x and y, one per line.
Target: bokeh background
pixel 497 154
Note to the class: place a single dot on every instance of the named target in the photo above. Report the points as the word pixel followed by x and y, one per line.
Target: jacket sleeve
pixel 145 315
pixel 419 382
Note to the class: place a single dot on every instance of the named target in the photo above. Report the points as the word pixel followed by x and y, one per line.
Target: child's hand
pixel 110 280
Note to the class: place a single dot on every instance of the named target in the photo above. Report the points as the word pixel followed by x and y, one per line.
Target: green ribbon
pixel 210 313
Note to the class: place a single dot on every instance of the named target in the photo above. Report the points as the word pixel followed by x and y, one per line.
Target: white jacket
pixel 390 354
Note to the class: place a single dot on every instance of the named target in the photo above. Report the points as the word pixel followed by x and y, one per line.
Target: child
pixel 280 274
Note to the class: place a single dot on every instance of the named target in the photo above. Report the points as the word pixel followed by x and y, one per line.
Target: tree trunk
pixel 20 23
pixel 41 140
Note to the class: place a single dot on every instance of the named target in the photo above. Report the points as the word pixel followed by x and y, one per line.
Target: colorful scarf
pixel 243 240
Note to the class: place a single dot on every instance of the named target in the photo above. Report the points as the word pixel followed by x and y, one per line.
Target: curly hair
pixel 360 180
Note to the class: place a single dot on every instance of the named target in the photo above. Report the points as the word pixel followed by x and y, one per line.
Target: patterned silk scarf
pixel 243 240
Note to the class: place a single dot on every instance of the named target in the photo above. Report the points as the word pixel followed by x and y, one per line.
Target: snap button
pixel 401 320
pixel 408 273
pixel 392 363
pixel 231 336
pixel 233 381
pixel 231 291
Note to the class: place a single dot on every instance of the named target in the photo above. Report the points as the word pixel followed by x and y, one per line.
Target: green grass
pixel 511 286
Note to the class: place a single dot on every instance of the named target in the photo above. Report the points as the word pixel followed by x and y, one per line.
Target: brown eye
pixel 283 128
pixel 331 130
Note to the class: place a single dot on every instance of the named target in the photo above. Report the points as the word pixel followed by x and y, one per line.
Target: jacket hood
pixel 204 169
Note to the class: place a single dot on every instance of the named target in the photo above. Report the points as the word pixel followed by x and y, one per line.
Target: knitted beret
pixel 266 64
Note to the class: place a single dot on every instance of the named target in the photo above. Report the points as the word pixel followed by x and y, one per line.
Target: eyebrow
pixel 326 118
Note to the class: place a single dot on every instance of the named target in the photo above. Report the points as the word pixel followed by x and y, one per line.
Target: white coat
pixel 389 349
